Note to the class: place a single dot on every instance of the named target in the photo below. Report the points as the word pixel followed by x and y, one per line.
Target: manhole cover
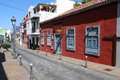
pixel 107 69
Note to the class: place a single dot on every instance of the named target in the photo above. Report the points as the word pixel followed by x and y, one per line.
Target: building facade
pixel 91 29
pixel 24 34
pixel 6 33
pixel 3 32
pixel 40 13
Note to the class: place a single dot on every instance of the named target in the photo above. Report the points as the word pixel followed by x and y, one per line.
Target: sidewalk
pixel 10 69
pixel 95 66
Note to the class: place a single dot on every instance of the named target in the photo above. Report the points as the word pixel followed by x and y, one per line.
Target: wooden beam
pixel 114 39
pixel 114 53
pixel 118 37
pixel 108 38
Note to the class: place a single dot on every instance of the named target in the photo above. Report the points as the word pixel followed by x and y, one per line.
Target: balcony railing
pixel 37 30
pixel 33 30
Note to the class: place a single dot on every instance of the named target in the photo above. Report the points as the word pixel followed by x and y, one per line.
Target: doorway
pixel 57 43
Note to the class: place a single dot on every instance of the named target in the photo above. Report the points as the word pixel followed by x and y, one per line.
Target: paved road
pixel 47 68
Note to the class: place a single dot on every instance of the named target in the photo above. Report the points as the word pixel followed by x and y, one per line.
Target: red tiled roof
pixel 83 7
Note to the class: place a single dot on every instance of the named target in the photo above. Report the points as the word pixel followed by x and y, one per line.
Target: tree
pixel 6 45
pixel 76 4
pixel 83 1
pixel 88 1
pixel 17 29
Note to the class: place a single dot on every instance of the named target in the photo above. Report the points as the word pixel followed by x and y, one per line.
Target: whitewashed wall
pixel 64 5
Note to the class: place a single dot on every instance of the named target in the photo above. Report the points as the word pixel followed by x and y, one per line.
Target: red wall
pixel 104 16
pixel 25 35
pixel 26 42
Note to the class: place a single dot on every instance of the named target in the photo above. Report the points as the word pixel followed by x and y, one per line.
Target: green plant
pixel 88 1
pixel 83 1
pixel 6 45
pixel 76 4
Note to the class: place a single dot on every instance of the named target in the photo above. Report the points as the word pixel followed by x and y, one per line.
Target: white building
pixel 64 5
pixel 9 34
pixel 40 13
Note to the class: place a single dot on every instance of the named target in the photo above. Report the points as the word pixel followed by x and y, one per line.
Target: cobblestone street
pixel 60 40
pixel 47 68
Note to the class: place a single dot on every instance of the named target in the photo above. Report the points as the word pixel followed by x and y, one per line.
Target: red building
pixel 92 29
pixel 25 36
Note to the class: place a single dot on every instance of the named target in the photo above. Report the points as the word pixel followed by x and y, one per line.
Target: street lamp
pixel 13 20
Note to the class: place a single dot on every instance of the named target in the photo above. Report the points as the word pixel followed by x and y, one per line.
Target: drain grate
pixel 107 69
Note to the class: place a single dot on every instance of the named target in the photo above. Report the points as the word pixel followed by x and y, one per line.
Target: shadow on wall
pixel 3 75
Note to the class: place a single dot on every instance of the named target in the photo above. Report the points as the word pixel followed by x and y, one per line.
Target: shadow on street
pixel 2 72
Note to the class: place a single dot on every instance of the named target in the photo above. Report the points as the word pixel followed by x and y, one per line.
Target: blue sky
pixel 6 13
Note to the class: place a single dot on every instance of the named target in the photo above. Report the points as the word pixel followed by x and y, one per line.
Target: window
pixel 28 27
pixel 38 9
pixel 92 42
pixel 33 27
pixel 38 40
pixel 29 14
pixel 48 38
pixel 37 24
pixel 42 38
pixel 34 11
pixel 70 39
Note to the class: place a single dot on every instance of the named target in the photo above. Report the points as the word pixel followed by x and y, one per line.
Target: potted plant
pixel 6 45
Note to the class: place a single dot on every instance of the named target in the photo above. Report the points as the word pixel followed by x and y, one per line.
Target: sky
pixel 17 8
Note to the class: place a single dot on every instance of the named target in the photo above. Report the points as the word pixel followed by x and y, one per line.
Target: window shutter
pixel 42 38
pixel 92 40
pixel 48 38
pixel 70 39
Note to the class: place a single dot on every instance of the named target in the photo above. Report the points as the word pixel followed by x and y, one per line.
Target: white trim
pixel 118 20
pixel 118 35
